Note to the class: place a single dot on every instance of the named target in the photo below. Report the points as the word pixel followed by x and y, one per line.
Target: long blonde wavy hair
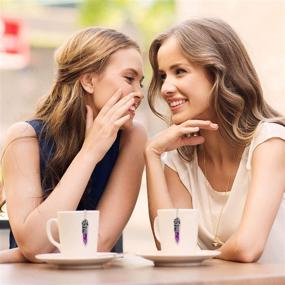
pixel 236 94
pixel 63 110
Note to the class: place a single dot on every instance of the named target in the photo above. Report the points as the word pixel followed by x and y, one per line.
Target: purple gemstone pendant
pixel 176 223
pixel 84 225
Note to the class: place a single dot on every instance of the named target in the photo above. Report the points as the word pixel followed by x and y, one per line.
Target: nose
pixel 139 92
pixel 167 88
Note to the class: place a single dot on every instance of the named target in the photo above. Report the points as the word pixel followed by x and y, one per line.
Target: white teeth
pixel 176 103
pixel 132 108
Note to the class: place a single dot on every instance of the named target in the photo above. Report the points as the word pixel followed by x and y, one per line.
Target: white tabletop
pixel 134 270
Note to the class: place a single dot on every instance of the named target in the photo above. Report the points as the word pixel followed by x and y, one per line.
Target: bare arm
pixel 120 196
pixel 165 189
pixel 262 204
pixel 13 255
pixel 27 211
pixel 174 195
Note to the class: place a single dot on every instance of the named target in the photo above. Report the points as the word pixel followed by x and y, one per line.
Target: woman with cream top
pixel 224 151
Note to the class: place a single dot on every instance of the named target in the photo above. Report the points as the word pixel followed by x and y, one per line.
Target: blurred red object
pixel 14 44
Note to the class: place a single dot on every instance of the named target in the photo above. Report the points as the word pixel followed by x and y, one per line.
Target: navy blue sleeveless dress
pixel 98 180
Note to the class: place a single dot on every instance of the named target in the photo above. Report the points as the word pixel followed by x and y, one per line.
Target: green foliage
pixel 148 17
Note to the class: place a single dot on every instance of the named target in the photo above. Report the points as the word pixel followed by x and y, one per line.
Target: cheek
pixel 200 91
pixel 118 82
pixel 106 89
pixel 103 92
pixel 100 100
pixel 125 87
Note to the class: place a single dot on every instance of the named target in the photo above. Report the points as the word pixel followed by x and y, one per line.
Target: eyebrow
pixel 135 72
pixel 174 66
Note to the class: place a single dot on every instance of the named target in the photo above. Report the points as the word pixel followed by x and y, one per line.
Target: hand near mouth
pixel 101 132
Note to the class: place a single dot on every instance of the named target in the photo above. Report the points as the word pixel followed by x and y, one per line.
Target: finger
pixel 192 140
pixel 208 125
pixel 122 110
pixel 89 119
pixel 189 131
pixel 111 102
pixel 120 122
pixel 121 103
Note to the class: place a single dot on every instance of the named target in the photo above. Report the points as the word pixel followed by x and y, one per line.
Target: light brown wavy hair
pixel 236 93
pixel 63 110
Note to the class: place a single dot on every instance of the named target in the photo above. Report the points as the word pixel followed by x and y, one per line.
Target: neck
pixel 218 149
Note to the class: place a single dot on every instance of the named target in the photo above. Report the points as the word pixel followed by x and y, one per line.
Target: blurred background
pixel 30 31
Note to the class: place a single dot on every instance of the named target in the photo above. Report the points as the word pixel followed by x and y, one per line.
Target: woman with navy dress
pixel 81 149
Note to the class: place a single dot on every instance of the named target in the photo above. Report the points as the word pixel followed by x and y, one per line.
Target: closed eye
pixel 179 71
pixel 130 79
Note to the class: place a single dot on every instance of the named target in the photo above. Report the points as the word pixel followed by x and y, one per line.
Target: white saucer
pixel 59 259
pixel 167 259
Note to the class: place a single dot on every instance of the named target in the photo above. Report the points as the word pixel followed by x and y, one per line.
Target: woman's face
pixel 185 86
pixel 123 71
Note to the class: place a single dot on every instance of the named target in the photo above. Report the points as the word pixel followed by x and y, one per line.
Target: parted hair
pixel 237 96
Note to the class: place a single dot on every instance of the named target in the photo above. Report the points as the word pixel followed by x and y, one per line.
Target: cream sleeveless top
pixel 204 197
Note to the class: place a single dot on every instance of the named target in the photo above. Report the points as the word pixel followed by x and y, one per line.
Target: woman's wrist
pixel 151 151
pixel 89 155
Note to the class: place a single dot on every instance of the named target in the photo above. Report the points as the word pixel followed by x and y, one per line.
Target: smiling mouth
pixel 175 104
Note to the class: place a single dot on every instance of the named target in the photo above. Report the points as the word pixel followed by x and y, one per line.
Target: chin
pixel 182 117
pixel 178 119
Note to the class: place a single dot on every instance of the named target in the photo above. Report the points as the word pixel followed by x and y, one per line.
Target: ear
pixel 87 81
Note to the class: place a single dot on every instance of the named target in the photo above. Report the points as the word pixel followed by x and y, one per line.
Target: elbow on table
pixel 248 253
pixel 29 255
pixel 30 251
pixel 248 256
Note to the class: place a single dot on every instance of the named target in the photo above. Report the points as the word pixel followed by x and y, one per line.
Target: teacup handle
pixel 49 234
pixel 156 228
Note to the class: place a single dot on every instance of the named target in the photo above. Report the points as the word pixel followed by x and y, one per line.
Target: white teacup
pixel 177 230
pixel 78 232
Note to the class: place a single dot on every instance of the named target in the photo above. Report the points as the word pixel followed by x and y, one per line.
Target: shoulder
pixel 21 140
pixel 173 160
pixel 269 129
pixel 268 162
pixel 19 130
pixel 268 141
pixel 136 136
pixel 266 133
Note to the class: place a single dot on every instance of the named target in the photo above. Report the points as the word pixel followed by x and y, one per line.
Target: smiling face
pixel 184 86
pixel 123 71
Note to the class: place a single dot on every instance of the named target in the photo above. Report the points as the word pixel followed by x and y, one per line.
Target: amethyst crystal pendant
pixel 176 223
pixel 84 225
